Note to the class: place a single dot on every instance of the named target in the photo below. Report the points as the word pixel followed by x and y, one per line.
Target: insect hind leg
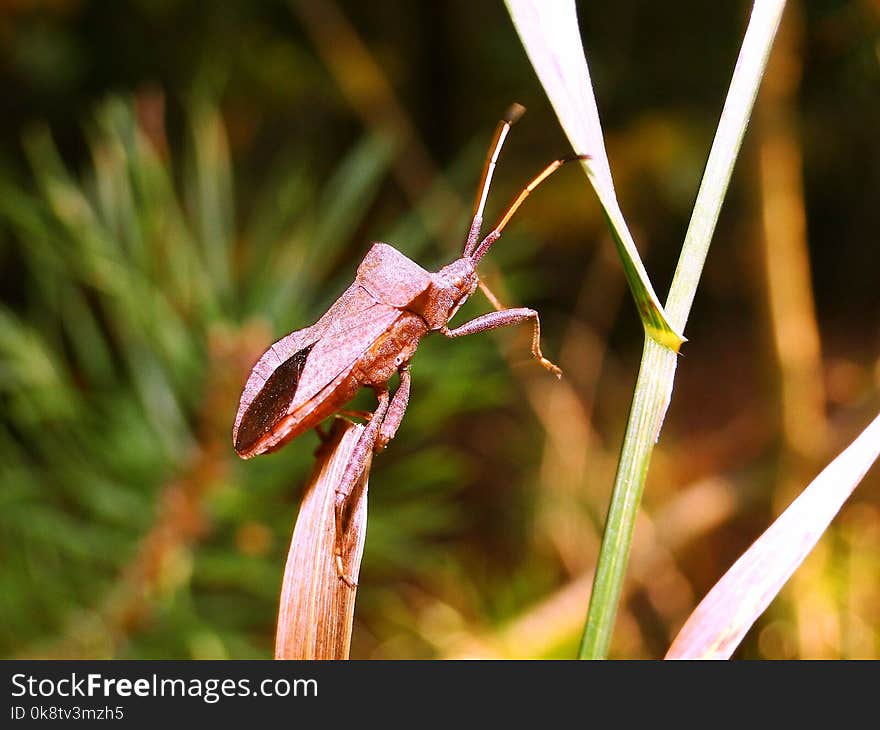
pixel 353 471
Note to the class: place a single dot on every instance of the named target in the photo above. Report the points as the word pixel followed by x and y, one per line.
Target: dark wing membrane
pixel 281 351
pixel 298 369
pixel 272 402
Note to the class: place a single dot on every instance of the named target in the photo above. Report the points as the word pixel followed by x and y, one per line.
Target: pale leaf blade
pixel 551 37
pixel 718 624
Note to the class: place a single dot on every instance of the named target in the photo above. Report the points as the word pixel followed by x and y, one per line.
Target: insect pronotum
pixel 370 334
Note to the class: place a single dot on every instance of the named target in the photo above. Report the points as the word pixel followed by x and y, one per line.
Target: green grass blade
pixel 210 193
pixel 657 372
pixel 348 194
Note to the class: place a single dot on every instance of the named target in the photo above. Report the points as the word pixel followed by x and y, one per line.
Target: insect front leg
pixel 505 318
pixel 352 473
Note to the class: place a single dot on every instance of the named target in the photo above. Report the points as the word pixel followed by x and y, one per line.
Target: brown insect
pixel 370 334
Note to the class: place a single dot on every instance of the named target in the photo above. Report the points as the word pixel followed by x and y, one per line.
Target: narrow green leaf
pixel 87 339
pixel 657 372
pixel 210 192
pixel 348 194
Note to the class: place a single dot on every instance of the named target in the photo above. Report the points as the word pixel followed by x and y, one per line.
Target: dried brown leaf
pixel 316 611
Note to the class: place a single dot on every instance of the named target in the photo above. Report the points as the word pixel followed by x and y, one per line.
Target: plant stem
pixel 657 371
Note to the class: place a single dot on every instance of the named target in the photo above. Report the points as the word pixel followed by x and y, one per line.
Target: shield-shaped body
pixel 363 339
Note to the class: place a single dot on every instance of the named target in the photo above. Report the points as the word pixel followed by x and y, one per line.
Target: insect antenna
pixel 495 234
pixel 511 115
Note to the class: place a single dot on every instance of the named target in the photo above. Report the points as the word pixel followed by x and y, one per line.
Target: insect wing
pixel 341 346
pixel 270 404
pixel 288 347
pixel 295 369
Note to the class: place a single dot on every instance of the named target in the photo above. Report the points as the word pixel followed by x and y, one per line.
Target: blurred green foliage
pixel 122 369
pixel 181 183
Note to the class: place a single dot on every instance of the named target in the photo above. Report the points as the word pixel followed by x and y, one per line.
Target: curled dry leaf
pixel 316 611
pixel 727 612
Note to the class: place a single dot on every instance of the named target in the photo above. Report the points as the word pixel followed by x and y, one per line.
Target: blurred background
pixel 181 183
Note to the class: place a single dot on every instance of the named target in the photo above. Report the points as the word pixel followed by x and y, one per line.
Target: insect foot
pixel 341 500
pixel 340 570
pixel 381 443
pixel 553 368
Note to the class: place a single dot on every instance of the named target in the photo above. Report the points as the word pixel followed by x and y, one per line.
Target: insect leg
pixel 325 437
pixel 322 435
pixel 364 415
pixel 352 473
pixel 504 318
pixel 392 419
